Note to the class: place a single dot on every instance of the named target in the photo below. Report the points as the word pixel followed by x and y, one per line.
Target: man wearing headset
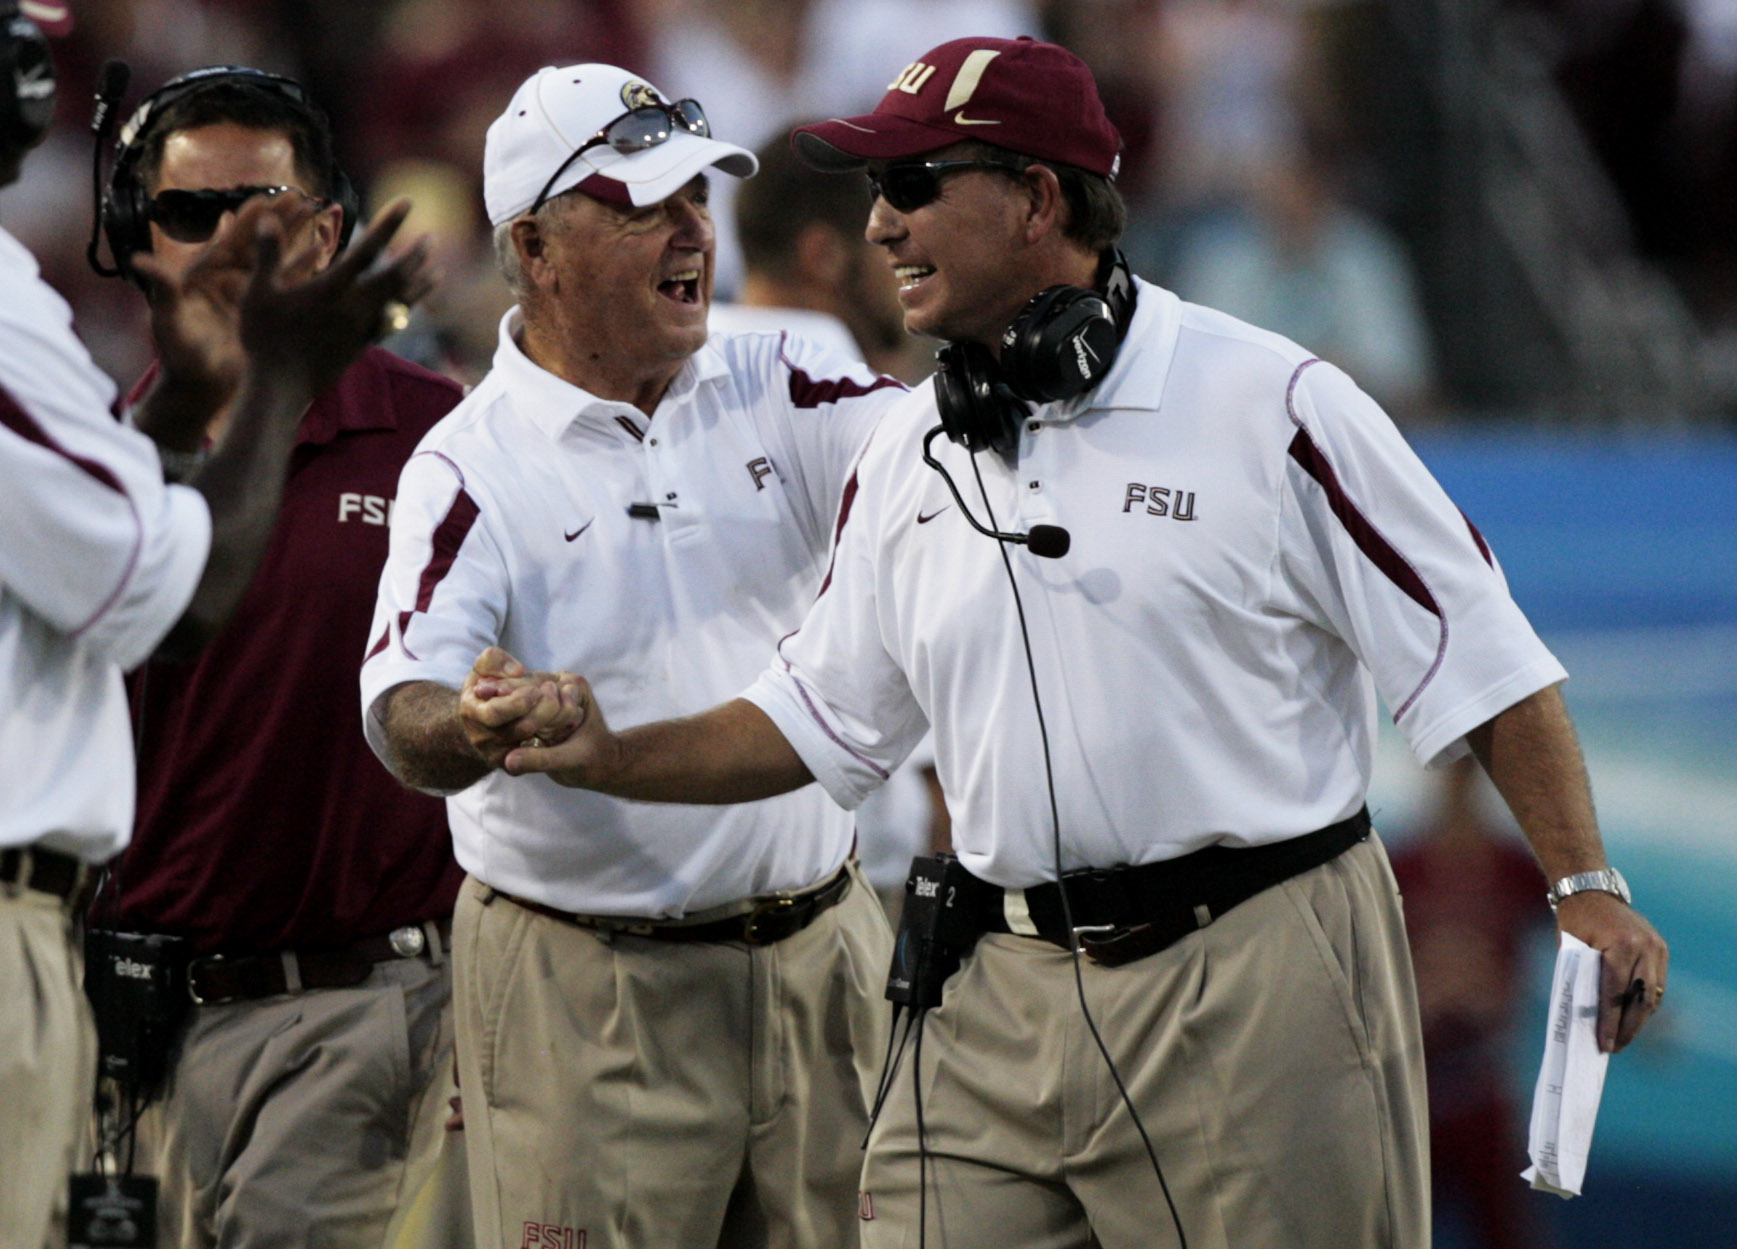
pixel 667 1016
pixel 100 561
pixel 1166 698
pixel 312 891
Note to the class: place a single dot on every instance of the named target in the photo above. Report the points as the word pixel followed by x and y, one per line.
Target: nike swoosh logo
pixel 959 119
pixel 578 531
pixel 923 520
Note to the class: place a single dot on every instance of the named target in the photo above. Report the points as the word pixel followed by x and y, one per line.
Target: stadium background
pixel 1514 220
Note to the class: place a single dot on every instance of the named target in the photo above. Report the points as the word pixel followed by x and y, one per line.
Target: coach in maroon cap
pixel 1147 600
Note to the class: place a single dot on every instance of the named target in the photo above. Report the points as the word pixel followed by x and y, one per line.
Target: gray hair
pixel 507 259
pixel 507 255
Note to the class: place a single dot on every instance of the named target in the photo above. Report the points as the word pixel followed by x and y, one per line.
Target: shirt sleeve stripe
pixel 844 503
pixel 15 418
pixel 449 536
pixel 1370 541
pixel 810 392
pixel 1377 549
pixel 1477 537
pixel 20 422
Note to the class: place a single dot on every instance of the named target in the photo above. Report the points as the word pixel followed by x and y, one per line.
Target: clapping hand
pixel 252 298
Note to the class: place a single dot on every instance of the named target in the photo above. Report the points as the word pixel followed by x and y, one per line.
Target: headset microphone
pixel 111 88
pixel 1045 541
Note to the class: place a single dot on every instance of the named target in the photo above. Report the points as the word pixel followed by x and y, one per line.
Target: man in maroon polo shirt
pixel 312 890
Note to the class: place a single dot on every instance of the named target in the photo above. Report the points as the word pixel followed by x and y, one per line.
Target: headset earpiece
pixel 26 82
pixel 1063 343
pixel 978 409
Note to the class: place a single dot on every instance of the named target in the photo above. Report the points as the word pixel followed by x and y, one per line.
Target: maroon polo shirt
pixel 265 822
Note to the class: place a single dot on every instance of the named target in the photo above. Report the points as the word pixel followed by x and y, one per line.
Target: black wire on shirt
pixel 1061 883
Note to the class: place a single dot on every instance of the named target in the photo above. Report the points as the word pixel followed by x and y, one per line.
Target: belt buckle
pixel 408 941
pixel 193 967
pixel 1123 944
pixel 764 911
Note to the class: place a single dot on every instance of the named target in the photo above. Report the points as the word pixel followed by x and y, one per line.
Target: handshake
pixel 523 721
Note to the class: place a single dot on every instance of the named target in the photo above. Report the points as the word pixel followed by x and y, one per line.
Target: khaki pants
pixel 1274 1057
pixel 47 1066
pixel 305 1119
pixel 626 1093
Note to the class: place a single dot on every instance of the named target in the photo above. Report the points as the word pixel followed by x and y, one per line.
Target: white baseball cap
pixel 557 111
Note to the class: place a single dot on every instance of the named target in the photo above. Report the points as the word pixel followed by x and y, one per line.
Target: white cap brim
pixel 656 173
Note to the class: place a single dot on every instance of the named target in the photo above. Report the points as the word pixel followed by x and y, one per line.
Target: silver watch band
pixel 1604 880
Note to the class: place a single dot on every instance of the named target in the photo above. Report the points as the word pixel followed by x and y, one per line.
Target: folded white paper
pixel 1571 1080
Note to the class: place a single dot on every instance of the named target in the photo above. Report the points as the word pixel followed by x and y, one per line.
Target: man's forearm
pixel 1533 757
pixel 178 410
pixel 426 744
pixel 732 753
pixel 243 484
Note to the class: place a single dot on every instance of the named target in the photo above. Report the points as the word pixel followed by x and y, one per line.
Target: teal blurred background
pixel 1623 551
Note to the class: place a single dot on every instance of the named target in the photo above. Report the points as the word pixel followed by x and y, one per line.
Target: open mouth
pixel 683 287
pixel 911 275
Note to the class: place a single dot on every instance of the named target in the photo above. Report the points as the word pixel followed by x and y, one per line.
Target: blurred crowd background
pixel 1513 221
pixel 1522 210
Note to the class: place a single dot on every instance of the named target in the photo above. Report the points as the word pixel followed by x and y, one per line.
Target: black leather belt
pixel 215 979
pixel 48 871
pixel 1136 911
pixel 763 920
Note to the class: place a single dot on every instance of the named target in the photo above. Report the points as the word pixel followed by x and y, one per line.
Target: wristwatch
pixel 1605 880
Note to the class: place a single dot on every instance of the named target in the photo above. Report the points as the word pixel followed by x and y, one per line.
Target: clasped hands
pixel 524 721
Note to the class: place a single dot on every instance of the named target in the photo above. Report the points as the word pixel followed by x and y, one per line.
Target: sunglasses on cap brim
pixel 192 216
pixel 636 131
pixel 909 186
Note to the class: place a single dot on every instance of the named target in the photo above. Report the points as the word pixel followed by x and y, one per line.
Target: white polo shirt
pixel 512 528
pixel 1256 553
pixel 98 560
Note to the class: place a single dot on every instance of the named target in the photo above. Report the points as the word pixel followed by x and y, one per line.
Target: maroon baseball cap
pixel 1037 99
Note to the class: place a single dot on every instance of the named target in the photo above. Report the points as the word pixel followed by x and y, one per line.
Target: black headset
pixel 1060 345
pixel 125 211
pixel 26 82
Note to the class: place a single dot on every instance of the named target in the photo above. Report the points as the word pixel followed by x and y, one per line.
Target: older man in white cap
pixel 668 1017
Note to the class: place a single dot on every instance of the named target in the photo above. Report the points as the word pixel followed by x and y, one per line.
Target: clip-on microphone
pixel 1045 541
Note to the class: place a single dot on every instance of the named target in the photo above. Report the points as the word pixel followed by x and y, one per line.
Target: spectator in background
pixel 762 61
pixel 453 330
pixel 1471 910
pixel 314 893
pixel 1294 258
pixel 1230 72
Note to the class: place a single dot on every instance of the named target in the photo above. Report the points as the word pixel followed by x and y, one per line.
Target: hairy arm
pixel 441 738
pixel 1533 756
pixel 426 745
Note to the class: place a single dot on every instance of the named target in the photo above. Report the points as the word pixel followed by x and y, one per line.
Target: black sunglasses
pixel 192 216
pixel 635 131
pixel 908 187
